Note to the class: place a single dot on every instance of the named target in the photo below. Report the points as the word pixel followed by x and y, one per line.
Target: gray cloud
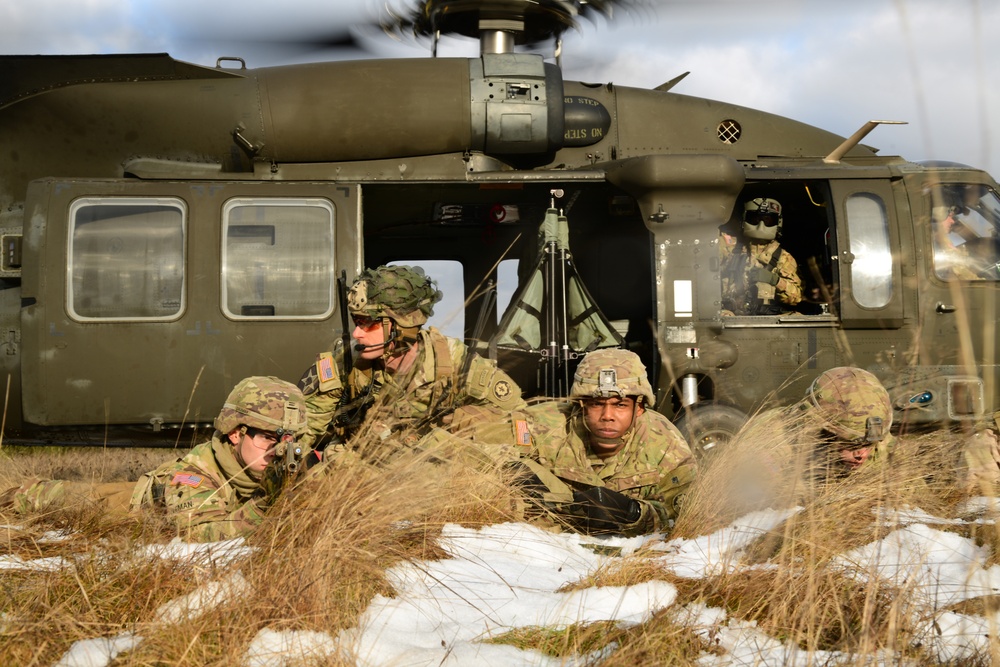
pixel 834 65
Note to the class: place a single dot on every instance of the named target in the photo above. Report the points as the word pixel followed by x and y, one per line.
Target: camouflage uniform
pixel 742 295
pixel 39 495
pixel 425 394
pixel 652 464
pixel 655 467
pixel 979 468
pixel 208 494
pixel 758 276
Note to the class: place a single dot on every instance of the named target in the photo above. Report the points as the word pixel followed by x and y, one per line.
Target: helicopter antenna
pixel 855 139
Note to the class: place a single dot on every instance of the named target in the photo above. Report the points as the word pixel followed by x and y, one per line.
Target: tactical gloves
pixel 597 510
pixel 761 274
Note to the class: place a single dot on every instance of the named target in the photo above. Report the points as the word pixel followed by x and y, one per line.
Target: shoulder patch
pixel 522 433
pixel 187 479
pixel 327 372
pixel 502 390
pixel 324 368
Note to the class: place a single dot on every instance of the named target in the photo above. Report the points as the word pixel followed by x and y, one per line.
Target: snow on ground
pixel 510 576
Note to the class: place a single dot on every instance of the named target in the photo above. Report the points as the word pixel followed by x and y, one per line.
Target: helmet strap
pixel 404 339
pixel 389 334
pixel 237 450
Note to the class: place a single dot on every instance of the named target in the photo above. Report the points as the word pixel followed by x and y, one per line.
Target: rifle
pixel 345 322
pixel 288 454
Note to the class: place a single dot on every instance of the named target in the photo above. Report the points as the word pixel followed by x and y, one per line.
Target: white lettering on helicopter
pixel 581 100
pixel 584 133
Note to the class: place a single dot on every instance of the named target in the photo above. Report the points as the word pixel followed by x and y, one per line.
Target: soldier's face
pixel 609 418
pixel 854 458
pixel 255 448
pixel 370 333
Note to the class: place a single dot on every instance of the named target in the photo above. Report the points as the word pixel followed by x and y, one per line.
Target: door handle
pixel 944 308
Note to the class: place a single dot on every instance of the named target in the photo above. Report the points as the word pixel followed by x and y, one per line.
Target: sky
pixel 835 65
pixel 508 576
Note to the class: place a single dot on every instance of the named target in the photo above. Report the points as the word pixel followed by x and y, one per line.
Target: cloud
pixel 833 65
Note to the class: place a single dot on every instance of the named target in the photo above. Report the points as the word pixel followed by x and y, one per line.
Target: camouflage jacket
pixel 655 467
pixel 741 296
pixel 206 493
pixel 429 391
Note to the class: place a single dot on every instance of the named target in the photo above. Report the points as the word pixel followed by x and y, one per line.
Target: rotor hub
pixel 500 24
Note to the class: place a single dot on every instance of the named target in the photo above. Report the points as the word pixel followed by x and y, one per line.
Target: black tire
pixel 708 427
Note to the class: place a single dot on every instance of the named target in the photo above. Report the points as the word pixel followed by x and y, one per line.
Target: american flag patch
pixel 187 479
pixel 325 368
pixel 521 432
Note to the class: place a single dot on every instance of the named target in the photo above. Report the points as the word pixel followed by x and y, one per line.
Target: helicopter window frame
pixel 870 245
pixel 293 264
pixel 965 232
pixel 131 249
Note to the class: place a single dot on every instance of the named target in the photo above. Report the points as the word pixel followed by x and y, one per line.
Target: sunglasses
pixel 769 219
pixel 366 323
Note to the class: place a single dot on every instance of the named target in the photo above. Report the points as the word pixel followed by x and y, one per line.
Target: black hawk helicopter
pixel 168 229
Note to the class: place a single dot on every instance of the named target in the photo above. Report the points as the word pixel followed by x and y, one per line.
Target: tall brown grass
pixel 323 551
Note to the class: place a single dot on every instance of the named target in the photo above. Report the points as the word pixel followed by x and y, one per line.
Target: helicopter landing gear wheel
pixel 709 427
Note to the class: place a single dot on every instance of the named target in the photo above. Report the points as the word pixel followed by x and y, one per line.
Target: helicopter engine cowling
pixel 501 104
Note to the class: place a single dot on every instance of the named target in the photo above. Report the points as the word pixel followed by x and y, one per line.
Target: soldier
pixel 979 467
pixel 603 462
pixel 840 427
pixel 758 276
pixel 222 487
pixel 418 376
pixel 853 413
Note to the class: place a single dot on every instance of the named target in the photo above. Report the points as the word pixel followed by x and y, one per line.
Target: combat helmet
pixel 403 294
pixel 265 403
pixel 611 372
pixel 762 219
pixel 851 404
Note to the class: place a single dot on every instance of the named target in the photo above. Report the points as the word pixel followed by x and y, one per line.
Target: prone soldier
pixel 602 463
pixel 403 375
pixel 222 487
pixel 840 427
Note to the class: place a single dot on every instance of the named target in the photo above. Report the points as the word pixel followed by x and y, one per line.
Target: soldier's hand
pixel 597 510
pixel 760 274
pixel 526 480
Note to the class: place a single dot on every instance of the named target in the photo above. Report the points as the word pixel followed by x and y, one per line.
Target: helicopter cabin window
pixel 277 258
pixel 126 259
pixel 871 265
pixel 965 233
pixel 507 282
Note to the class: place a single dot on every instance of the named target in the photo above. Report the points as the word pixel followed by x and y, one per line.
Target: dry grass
pixel 322 555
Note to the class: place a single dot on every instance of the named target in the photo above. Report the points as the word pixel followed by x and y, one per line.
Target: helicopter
pixel 169 228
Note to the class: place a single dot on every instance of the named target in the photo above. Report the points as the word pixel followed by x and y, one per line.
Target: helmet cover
pixel 611 372
pixel 852 404
pixel 265 403
pixel 402 293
